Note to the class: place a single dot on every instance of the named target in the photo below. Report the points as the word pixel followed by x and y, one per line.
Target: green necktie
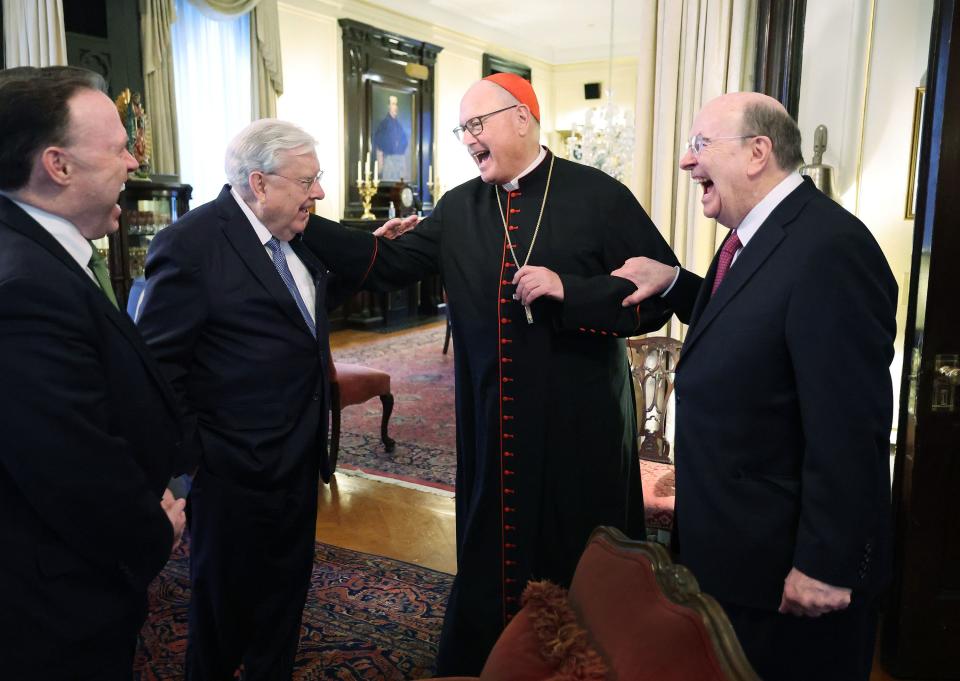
pixel 98 266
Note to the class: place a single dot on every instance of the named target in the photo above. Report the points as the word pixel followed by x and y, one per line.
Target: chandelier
pixel 605 139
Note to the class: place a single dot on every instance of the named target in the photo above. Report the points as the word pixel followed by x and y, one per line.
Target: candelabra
pixel 367 188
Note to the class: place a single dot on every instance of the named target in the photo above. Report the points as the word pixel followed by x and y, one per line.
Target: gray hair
pixel 775 123
pixel 259 146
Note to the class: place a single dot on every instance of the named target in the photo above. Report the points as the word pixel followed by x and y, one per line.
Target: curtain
pixel 33 33
pixel 698 50
pixel 211 62
pixel 156 16
pixel 267 83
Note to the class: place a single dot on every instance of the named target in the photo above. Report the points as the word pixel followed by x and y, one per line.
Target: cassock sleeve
pixel 842 313
pixel 373 263
pixel 594 302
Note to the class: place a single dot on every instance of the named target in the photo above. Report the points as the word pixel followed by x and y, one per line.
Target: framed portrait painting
pixel 393 131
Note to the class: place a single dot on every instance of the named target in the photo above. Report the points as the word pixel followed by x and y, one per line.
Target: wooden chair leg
pixel 446 338
pixel 388 443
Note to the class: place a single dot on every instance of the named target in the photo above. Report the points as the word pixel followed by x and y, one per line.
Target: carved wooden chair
pixel 653 362
pixel 355 384
pixel 630 614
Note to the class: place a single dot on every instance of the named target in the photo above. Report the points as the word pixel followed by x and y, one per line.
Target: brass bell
pixel 822 175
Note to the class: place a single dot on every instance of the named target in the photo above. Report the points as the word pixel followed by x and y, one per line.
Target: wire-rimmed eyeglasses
pixel 697 143
pixel 475 125
pixel 306 183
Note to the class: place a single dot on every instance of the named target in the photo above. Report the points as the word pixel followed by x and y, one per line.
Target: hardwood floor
pixel 388 520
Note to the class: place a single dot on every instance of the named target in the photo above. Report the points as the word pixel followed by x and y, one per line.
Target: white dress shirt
pixel 756 217
pixel 301 275
pixel 65 232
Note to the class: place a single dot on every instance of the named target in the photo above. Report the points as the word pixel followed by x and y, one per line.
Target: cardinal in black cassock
pixel 546 425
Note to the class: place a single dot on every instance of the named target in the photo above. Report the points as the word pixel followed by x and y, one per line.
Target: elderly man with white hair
pixel 235 311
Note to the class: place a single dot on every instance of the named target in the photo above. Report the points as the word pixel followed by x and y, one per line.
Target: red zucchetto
pixel 519 88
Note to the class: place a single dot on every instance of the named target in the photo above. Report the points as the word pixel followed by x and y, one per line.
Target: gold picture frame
pixel 914 177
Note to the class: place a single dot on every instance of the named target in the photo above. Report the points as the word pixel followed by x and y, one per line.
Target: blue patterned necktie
pixel 280 262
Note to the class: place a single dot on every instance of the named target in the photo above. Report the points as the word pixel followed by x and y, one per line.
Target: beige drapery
pixel 33 33
pixel 155 19
pixel 266 65
pixel 697 50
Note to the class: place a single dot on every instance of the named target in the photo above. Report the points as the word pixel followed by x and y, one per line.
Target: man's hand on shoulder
pixel 394 227
pixel 533 282
pixel 808 597
pixel 649 276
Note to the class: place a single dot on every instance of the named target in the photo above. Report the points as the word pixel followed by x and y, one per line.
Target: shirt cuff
pixel 676 275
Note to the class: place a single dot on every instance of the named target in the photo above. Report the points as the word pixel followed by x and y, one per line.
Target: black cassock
pixel 546 427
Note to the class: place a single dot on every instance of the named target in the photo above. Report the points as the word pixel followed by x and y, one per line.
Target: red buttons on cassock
pixel 507 490
pixel 514 195
pixel 507 379
pixel 509 528
pixel 509 509
pixel 510 546
pixel 508 454
pixel 514 210
pixel 506 360
pixel 582 329
pixel 504 320
pixel 509 562
pixel 505 341
pixel 513 228
pixel 508 436
pixel 506 398
pixel 507 417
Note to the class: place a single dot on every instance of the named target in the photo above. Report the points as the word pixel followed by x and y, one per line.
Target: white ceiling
pixel 554 31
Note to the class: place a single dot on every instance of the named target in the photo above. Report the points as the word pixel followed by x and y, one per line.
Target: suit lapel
pixel 15 218
pixel 240 234
pixel 766 240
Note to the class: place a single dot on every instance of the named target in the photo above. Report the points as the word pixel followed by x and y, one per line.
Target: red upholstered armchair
pixel 630 614
pixel 355 384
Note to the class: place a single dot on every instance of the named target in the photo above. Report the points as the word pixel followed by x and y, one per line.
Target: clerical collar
pixel 514 184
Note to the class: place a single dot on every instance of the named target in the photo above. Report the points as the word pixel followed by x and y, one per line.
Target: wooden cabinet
pixel 147 206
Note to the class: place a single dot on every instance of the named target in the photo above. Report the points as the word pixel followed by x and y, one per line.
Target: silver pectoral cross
pixel 526 310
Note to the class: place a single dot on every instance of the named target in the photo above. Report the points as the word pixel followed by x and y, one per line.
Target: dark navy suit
pixel 783 414
pixel 90 436
pixel 255 384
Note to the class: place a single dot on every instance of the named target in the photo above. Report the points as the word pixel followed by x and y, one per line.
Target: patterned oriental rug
pixel 366 617
pixel 423 421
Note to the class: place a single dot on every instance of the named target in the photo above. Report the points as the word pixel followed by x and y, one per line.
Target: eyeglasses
pixel 305 182
pixel 698 141
pixel 475 125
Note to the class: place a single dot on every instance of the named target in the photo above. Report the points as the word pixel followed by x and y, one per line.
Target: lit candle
pixel 359 172
pixel 430 178
pixel 376 171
